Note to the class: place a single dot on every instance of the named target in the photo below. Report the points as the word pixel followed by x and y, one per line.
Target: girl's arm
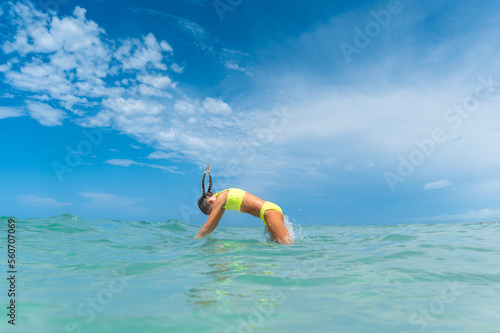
pixel 213 218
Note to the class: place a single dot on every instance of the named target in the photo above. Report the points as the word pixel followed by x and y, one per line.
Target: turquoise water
pixel 77 275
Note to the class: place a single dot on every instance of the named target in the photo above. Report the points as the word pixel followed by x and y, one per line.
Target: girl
pixel 214 205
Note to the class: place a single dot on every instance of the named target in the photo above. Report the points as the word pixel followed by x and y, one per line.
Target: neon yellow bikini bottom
pixel 268 206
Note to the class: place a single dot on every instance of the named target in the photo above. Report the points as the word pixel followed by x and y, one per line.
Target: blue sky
pixel 366 112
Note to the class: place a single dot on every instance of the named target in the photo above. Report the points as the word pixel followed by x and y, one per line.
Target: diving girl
pixel 214 205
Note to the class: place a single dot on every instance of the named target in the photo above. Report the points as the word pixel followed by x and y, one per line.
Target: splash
pixel 294 230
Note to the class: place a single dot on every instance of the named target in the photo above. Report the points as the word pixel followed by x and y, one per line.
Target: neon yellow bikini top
pixel 234 198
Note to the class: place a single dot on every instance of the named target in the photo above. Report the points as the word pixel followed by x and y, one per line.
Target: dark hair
pixel 202 202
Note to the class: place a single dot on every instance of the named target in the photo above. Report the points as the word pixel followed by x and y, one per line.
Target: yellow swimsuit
pixel 235 198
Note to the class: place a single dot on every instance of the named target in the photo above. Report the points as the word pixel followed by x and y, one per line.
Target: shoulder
pixel 222 196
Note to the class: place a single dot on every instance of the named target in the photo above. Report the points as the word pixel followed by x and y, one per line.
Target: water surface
pixel 78 275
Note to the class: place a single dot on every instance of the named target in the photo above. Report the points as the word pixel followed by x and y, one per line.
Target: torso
pixel 251 204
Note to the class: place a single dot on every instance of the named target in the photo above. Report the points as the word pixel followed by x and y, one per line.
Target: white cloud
pixel 385 123
pixel 137 54
pixel 66 56
pixel 232 60
pixel 127 163
pixel 236 67
pixel 437 184
pixel 158 155
pixel 166 47
pixel 195 29
pixel 155 85
pixel 156 81
pixel 45 114
pixel 133 107
pixel 10 112
pixel 120 162
pixel 39 77
pixel 216 106
pixel 185 107
pixel 5 67
pixel 231 65
pixel 377 107
pixel 135 147
pixel 71 42
pixel 176 68
pixel 161 167
pixel 121 84
pixel 71 59
pixel 33 199
pixel 136 117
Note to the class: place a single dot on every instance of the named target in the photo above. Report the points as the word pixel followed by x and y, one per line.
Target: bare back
pixel 251 204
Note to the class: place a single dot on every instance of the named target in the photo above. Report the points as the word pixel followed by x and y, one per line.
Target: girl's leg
pixel 279 232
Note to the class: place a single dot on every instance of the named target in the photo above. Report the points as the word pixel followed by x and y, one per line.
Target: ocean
pixel 78 275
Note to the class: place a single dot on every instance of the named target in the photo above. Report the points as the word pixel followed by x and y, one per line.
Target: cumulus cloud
pixel 5 67
pixel 177 68
pixel 139 54
pixel 155 85
pixel 216 106
pixel 136 117
pixel 45 114
pixel 72 61
pixel 437 184
pixel 124 84
pixel 185 107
